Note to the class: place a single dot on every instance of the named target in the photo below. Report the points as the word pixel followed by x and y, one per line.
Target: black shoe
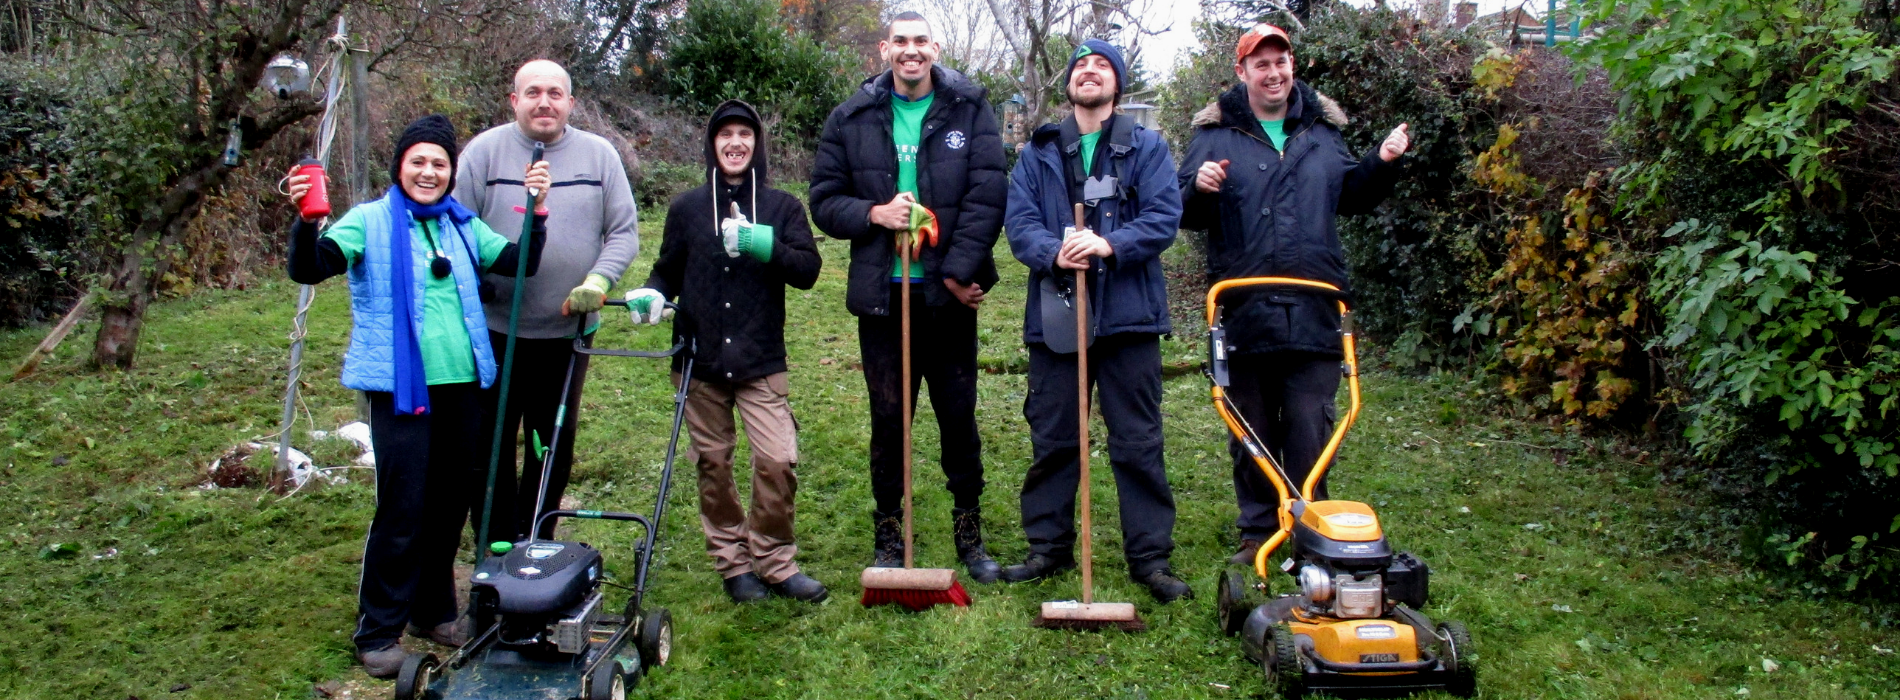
pixel 802 587
pixel 1036 567
pixel 1248 548
pixel 968 525
pixel 887 548
pixel 745 588
pixel 1165 587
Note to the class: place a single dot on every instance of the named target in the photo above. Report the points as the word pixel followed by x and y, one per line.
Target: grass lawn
pixel 1581 573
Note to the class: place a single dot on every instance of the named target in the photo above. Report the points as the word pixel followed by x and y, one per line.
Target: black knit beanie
pixel 435 129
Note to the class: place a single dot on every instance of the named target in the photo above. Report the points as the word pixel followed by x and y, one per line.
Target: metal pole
pixel 1550 25
pixel 280 476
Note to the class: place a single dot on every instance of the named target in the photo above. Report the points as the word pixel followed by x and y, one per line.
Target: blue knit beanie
pixel 1105 50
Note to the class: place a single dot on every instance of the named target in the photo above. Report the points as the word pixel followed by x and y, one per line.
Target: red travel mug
pixel 316 202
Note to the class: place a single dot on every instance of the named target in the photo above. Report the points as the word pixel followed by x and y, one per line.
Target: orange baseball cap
pixel 1259 33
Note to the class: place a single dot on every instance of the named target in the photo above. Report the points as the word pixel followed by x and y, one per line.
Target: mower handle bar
pixel 1218 359
pixel 552 515
pixel 679 340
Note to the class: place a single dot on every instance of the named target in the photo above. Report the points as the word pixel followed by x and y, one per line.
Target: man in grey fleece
pixel 590 242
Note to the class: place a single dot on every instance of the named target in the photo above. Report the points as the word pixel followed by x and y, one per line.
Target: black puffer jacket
pixel 734 308
pixel 960 177
pixel 1276 214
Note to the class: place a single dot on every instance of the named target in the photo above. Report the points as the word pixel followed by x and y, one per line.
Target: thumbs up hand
pixel 1211 176
pixel 1396 143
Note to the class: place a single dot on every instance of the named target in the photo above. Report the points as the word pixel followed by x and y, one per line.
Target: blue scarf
pixel 412 382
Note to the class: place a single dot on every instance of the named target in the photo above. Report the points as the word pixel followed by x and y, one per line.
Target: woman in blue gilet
pixel 419 347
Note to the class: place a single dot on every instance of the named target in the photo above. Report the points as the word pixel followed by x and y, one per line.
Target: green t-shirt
pixel 1089 142
pixel 1276 132
pixel 447 355
pixel 907 130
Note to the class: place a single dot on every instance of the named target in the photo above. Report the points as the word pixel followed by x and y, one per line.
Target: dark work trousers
pixel 409 557
pixel 943 351
pixel 540 369
pixel 1287 397
pixel 1125 372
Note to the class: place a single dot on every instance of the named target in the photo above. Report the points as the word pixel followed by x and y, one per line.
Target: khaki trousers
pixel 760 541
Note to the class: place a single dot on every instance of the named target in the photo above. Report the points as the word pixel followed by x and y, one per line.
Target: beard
pixel 1090 103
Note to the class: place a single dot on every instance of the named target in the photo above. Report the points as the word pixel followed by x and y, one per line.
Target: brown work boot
pixel 385 662
pixel 1249 548
pixel 453 633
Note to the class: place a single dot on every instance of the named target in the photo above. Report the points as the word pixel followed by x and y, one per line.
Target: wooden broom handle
pixel 903 247
pixel 1082 417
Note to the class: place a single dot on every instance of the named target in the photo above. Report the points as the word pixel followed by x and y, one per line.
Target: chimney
pixel 1467 13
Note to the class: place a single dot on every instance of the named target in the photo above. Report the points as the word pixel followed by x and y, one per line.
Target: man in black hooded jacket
pixel 924 134
pixel 1266 175
pixel 730 248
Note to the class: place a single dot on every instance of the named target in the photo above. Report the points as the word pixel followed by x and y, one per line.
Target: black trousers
pixel 1125 371
pixel 943 351
pixel 421 483
pixel 541 366
pixel 1288 399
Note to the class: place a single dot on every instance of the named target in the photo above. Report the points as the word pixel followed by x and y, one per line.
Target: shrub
pixel 738 49
pixel 40 265
pixel 1778 322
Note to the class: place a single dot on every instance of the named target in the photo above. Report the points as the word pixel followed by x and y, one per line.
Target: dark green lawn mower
pixel 545 628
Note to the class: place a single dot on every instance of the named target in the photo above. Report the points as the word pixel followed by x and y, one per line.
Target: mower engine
pixel 1345 566
pixel 545 593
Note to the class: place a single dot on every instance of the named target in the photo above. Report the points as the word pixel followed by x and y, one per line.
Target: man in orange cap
pixel 1266 175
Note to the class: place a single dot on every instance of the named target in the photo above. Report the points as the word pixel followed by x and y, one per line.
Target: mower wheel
pixel 607 682
pixel 1285 672
pixel 1454 646
pixel 418 671
pixel 656 637
pixel 1231 604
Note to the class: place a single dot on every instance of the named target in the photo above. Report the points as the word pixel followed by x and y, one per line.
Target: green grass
pixel 1581 572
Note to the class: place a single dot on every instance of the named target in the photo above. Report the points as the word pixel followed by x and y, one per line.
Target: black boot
pixel 968 524
pixel 1163 585
pixel 1038 566
pixel 887 548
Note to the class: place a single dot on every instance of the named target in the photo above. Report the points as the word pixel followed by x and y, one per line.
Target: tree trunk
pixel 134 282
pixel 122 309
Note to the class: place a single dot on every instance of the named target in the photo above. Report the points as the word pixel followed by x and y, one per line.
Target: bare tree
pixel 174 98
pixel 1038 34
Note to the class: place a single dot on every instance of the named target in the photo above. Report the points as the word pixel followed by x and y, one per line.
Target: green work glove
pixel 756 240
pixel 588 297
pixel 646 305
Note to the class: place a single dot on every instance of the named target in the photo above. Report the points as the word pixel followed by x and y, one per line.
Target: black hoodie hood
pixel 730 110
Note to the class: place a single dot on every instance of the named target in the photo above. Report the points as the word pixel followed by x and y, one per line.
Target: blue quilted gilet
pixel 369 365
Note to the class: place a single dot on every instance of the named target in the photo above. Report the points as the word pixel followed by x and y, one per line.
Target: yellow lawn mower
pixel 1355 625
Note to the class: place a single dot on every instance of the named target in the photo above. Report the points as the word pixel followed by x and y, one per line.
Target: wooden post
pixel 360 188
pixel 52 340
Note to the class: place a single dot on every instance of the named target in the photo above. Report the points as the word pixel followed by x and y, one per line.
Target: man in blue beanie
pixel 1123 176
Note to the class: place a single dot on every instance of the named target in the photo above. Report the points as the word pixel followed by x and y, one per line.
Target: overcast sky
pixel 1163 50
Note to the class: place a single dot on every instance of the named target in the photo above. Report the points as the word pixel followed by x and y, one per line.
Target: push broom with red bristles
pixel 913 588
pixel 1085 614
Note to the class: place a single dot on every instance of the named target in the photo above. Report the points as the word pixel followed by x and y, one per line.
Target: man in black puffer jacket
pixel 1266 175
pixel 925 134
pixel 731 247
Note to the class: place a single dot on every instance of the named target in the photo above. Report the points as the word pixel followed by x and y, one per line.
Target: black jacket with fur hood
pixel 960 177
pixel 1275 215
pixel 734 308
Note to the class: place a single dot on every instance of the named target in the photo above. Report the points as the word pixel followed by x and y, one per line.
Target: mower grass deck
pixel 501 674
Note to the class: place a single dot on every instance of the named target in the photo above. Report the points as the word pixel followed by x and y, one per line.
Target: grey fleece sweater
pixel 592 224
